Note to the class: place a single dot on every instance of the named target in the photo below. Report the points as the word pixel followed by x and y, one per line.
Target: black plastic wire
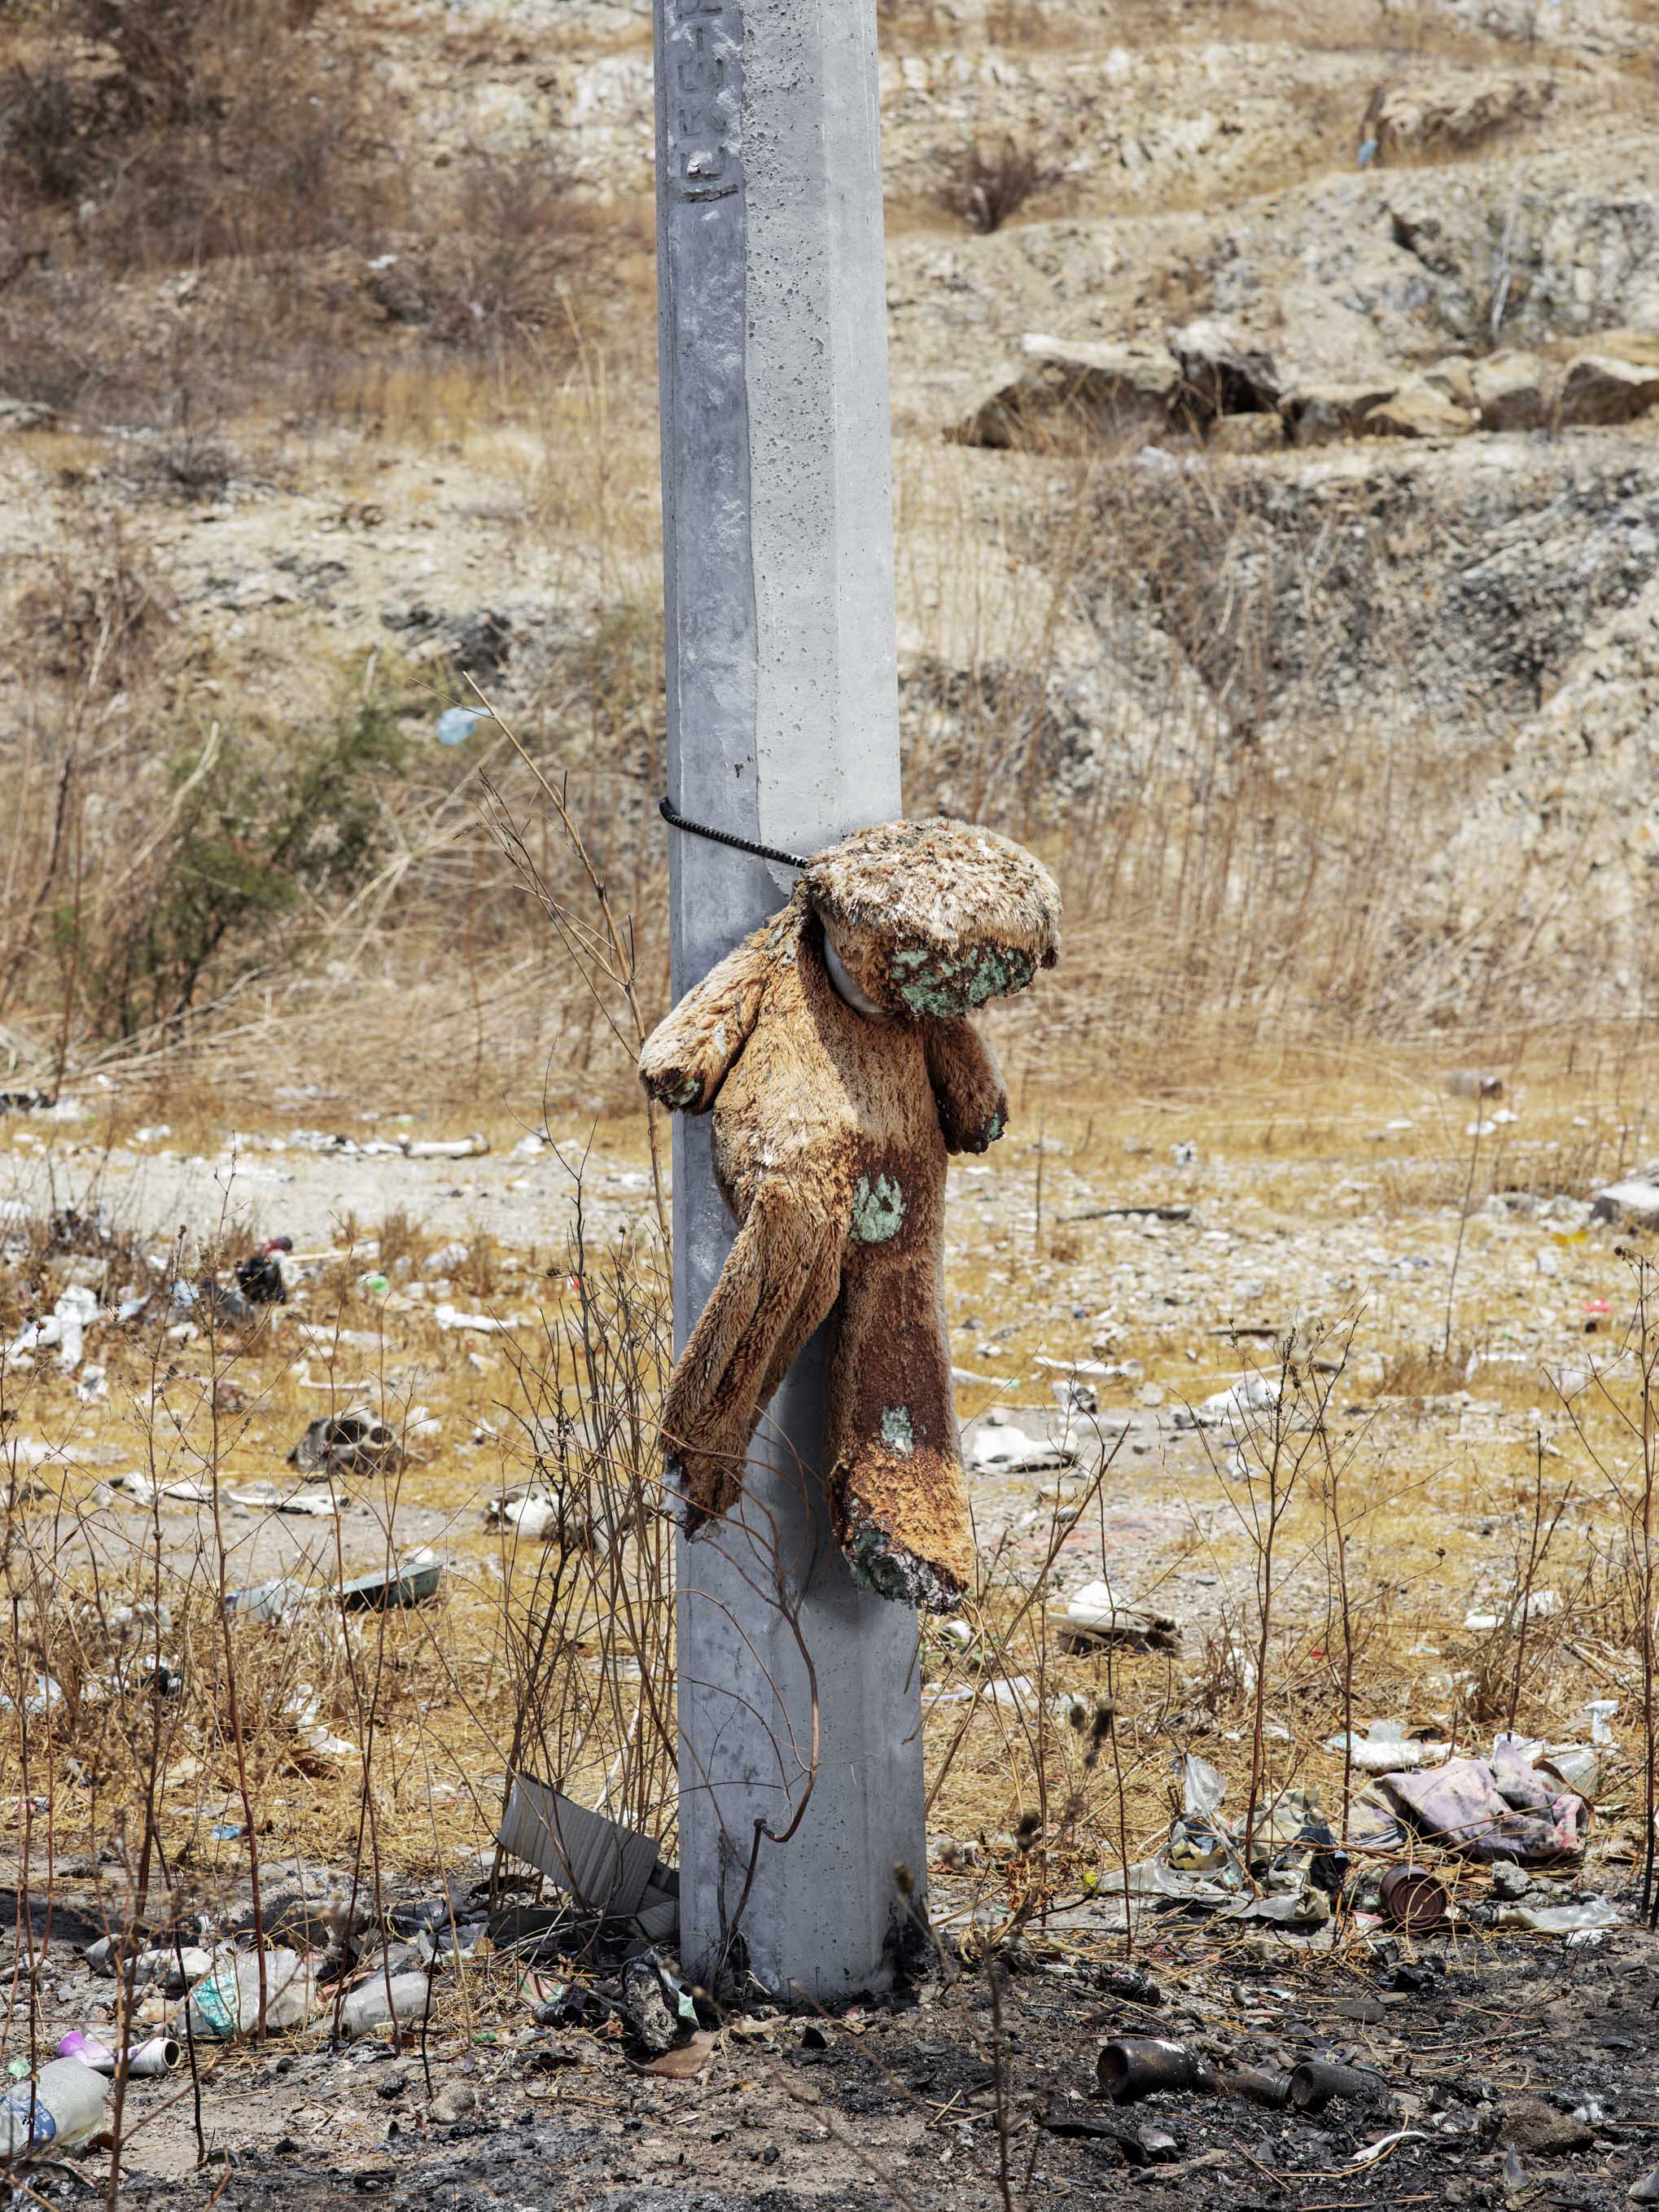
pixel 671 815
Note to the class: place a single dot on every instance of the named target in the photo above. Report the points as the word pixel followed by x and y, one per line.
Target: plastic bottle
pixel 228 2003
pixel 63 2107
pixel 368 2006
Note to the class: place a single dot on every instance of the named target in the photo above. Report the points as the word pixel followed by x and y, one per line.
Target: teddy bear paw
pixel 877 1562
pixel 688 1517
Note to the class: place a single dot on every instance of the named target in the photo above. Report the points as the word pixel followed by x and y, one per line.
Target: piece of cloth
pixel 1487 1809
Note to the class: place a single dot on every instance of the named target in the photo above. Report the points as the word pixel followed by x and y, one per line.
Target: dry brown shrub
pixel 985 186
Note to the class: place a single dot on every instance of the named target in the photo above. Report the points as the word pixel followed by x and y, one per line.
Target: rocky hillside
pixel 1278 470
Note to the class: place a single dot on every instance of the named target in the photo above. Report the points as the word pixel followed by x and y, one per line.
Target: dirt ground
pixel 1434 1275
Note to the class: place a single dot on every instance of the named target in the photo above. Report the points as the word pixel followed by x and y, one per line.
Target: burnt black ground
pixel 1484 2045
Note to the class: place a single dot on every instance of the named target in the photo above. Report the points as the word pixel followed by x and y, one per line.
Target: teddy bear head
pixel 931 919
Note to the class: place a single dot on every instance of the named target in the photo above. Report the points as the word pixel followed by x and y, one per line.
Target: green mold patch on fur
pixel 682 1094
pixel 993 1129
pixel 897 1428
pixel 878 1209
pixel 942 987
pixel 875 1563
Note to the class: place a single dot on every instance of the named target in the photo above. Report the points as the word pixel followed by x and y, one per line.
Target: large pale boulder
pixel 1419 410
pixel 1071 388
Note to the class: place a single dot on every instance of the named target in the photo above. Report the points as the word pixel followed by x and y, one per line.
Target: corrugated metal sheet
pixel 601 1864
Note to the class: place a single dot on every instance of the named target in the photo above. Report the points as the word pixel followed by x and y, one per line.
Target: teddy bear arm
pixel 968 1088
pixel 780 1280
pixel 691 1051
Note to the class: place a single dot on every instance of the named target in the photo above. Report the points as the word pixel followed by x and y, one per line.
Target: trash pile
pixel 591 1956
pixel 1529 1804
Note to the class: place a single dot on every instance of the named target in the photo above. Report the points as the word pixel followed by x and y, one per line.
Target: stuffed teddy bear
pixel 831 1047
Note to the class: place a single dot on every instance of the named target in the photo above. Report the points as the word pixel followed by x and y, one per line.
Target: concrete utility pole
pixel 782 727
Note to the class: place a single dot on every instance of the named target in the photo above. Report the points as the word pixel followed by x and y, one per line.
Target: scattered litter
pixel 1231 1408
pixel 136 1489
pixel 1411 1897
pixel 1386 1749
pixel 1005 1449
pixel 63 2108
pixel 1010 1693
pixel 375 2004
pixel 445 1148
pixel 687 2060
pixel 1538 1605
pixel 411 1582
pixel 305 1709
pixel 541 1517
pixel 1095 1614
pixel 77 1310
pixel 456 724
pixel 278 1599
pixel 1579 1917
pixel 159 2055
pixel 227 2003
pixel 355 1440
pixel 266 1498
pixel 448 1317
pixel 1383 2145
pixel 259 1277
pixel 1496 1808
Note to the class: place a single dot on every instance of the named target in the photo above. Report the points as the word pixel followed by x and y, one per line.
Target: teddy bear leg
pixel 895 1484
pixel 780 1280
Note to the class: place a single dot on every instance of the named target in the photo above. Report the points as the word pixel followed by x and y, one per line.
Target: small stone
pixel 1528 2124
pixel 453 2102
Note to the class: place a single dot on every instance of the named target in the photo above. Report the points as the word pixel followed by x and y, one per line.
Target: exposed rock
pixel 1319 412
pixel 1601 388
pixel 25 414
pixel 1222 373
pixel 1457 111
pixel 1634 1201
pixel 1247 433
pixel 1419 410
pixel 1453 380
pixel 1072 389
pixel 1510 391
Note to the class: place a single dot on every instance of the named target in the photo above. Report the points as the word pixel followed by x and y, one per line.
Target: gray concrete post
pixel 783 726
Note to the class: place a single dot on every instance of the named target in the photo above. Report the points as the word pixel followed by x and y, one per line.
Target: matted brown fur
pixel 830 1133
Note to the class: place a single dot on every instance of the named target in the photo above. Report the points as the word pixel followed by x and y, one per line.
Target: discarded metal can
pixel 1140 2065
pixel 1317 2083
pixel 1411 1898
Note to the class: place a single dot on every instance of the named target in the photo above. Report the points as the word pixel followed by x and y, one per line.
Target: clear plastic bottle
pixel 369 2006
pixel 62 2108
pixel 228 2003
